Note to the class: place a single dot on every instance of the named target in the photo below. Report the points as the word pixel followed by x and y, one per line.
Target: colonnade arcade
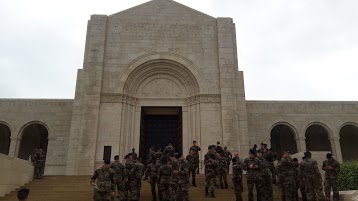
pixel 317 137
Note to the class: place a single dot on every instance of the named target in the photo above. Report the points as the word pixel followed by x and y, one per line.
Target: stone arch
pixel 348 137
pixel 5 138
pixel 318 137
pixel 283 137
pixel 32 135
pixel 173 64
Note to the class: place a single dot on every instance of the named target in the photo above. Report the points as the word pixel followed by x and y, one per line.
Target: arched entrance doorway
pixel 348 139
pixel 282 139
pixel 5 140
pixel 317 138
pixel 33 135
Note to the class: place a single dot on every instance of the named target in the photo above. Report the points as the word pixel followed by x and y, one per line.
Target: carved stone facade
pixel 177 57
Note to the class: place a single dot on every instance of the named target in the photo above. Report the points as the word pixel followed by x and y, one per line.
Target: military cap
pixel 107 161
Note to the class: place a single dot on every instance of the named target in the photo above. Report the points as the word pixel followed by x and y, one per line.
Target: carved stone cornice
pixel 124 98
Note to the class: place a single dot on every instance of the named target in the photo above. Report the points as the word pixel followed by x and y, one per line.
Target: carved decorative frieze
pixel 118 98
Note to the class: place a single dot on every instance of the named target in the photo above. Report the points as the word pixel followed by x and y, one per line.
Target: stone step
pixel 77 188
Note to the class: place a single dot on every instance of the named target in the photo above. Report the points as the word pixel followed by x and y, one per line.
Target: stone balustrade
pixel 14 172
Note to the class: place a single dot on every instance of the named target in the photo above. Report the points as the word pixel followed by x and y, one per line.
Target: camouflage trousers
pixel 288 189
pixel 192 172
pixel 173 189
pixel 120 188
pixel 238 188
pixel 210 185
pixel 132 188
pixel 102 196
pixel 164 191
pixel 273 172
pixel 223 179
pixel 39 169
pixel 331 183
pixel 267 190
pixel 153 184
pixel 182 192
pixel 314 188
pixel 139 187
pixel 301 186
pixel 251 182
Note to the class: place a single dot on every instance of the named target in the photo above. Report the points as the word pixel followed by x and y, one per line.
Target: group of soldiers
pixel 169 174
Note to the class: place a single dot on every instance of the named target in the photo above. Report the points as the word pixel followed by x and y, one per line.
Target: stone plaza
pixel 162 72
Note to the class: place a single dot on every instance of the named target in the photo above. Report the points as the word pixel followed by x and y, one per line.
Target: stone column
pixel 301 144
pixel 14 146
pixel 336 149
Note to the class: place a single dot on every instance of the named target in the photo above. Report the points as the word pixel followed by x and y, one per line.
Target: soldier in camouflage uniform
pixel 193 161
pixel 211 173
pixel 38 160
pixel 132 175
pixel 228 156
pixel 118 168
pixel 253 166
pixel 237 168
pixel 152 172
pixel 332 169
pixel 141 167
pixel 271 157
pixel 196 150
pixel 174 164
pixel 222 171
pixel 158 154
pixel 287 174
pixel 164 179
pixel 103 182
pixel 265 174
pixel 310 174
pixel 183 179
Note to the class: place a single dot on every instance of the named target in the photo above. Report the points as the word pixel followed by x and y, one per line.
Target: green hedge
pixel 348 178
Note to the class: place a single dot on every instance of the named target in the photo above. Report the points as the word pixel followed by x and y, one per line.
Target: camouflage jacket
pixel 169 150
pixel 222 164
pixel 265 169
pixel 118 168
pixel 104 180
pixel 152 170
pixel 195 148
pixel 129 170
pixel 193 161
pixel 208 156
pixel 174 164
pixel 237 168
pixel 309 169
pixel 334 173
pixel 270 157
pixel 227 155
pixel 38 156
pixel 164 174
pixel 183 172
pixel 252 161
pixel 211 168
pixel 141 167
pixel 287 168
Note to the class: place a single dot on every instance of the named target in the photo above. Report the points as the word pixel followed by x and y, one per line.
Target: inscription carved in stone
pixel 162 30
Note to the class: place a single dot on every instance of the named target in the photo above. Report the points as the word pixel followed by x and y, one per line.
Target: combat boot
pixel 206 191
pixel 212 195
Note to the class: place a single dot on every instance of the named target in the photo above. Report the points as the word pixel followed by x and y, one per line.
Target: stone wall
pixel 299 115
pixel 55 115
pixel 14 173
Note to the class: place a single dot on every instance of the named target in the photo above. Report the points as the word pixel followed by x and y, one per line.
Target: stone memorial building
pixel 162 72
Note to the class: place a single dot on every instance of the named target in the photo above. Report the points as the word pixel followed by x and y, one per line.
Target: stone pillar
pixel 301 144
pixel 228 69
pixel 84 125
pixel 14 144
pixel 336 149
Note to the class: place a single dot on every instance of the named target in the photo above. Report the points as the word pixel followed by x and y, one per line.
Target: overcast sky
pixel 288 49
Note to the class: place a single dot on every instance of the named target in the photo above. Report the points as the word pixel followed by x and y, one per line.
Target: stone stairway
pixel 77 188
